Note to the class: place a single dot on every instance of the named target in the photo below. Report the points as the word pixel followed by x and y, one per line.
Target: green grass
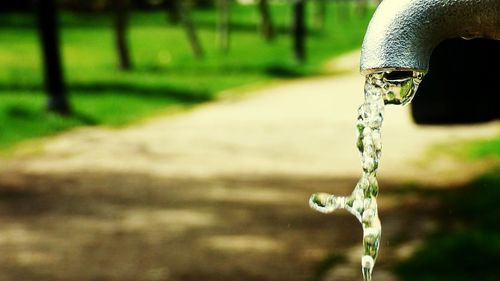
pixel 165 73
pixel 467 245
pixel 487 148
pixel 483 148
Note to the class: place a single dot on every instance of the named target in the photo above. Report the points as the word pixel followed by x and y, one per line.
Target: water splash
pixel 381 88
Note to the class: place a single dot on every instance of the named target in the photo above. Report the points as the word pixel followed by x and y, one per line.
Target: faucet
pixel 403 33
pixel 427 36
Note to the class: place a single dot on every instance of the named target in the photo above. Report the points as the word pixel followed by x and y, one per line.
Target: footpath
pixel 218 192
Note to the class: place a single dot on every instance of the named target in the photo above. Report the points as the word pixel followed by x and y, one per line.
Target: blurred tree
pixel 179 12
pixel 266 23
pixel 172 7
pixel 102 5
pixel 320 14
pixel 362 7
pixel 88 6
pixel 187 23
pixel 16 6
pixel 53 75
pixel 343 11
pixel 121 8
pixel 299 30
pixel 223 24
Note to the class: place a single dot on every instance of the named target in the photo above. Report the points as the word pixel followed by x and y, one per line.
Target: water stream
pixel 381 88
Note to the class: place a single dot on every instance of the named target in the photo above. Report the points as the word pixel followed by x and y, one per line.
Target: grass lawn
pixel 471 150
pixel 483 148
pixel 466 245
pixel 165 73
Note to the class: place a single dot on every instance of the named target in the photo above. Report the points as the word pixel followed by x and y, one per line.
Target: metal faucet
pixel 403 33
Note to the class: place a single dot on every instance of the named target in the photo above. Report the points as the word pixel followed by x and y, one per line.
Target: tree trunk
pixel 187 23
pixel 362 7
pixel 299 30
pixel 121 19
pixel 223 25
pixel 266 23
pixel 320 14
pixel 173 14
pixel 343 10
pixel 51 57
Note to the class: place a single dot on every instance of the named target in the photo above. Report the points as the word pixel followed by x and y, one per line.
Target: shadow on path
pixel 140 227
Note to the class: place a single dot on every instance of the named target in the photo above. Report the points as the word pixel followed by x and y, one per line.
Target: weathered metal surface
pixel 403 33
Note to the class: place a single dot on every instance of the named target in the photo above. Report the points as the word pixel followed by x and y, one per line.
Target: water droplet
pixel 367 264
pixel 380 88
pixel 326 203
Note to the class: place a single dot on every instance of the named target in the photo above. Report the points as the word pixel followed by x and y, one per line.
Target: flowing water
pixel 381 88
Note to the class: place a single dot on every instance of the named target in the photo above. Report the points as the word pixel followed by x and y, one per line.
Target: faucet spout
pixel 403 33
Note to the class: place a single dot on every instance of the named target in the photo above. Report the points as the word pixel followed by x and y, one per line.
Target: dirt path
pixel 216 193
pixel 305 128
